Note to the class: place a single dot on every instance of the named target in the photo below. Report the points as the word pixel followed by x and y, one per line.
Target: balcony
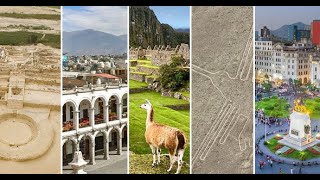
pixel 84 122
pixel 98 118
pixel 67 126
pixel 113 116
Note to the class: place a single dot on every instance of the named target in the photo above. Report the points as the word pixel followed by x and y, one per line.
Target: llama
pixel 161 136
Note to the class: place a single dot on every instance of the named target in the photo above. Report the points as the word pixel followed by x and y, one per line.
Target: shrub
pixel 173 76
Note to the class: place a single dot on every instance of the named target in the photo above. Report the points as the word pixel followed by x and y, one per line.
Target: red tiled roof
pixel 109 76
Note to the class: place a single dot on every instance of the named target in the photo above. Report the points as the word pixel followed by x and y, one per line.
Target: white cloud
pixel 109 19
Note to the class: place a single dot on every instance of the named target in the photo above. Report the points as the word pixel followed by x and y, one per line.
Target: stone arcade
pixel 94 120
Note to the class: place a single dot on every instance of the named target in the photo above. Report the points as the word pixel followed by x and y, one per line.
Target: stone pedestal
pixel 299 137
pixel 78 163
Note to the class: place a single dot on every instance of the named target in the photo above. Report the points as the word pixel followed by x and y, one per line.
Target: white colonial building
pixel 94 117
pixel 315 69
pixel 281 62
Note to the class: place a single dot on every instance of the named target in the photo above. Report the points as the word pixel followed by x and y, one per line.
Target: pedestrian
pixel 271 163
pixel 280 171
pixel 300 170
pixel 291 170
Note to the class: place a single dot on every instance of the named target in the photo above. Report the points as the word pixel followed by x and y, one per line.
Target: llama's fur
pixel 161 136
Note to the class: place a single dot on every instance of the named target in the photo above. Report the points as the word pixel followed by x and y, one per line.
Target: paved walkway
pixel 117 164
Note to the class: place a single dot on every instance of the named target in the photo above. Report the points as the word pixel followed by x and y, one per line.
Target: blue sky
pixel 109 19
pixel 176 16
pixel 276 16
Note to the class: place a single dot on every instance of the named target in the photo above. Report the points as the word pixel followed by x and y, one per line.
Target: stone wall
pixel 138 77
pixel 148 70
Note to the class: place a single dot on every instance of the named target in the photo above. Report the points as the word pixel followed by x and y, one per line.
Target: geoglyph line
pixel 225 115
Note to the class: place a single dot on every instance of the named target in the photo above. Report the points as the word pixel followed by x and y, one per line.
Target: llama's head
pixel 147 105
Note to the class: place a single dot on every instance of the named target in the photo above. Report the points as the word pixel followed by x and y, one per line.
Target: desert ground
pixel 222 88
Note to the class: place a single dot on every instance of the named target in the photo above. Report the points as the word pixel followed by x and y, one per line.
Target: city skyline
pixel 284 15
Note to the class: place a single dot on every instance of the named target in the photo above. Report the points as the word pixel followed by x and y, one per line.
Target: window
pixel 288 66
pixel 315 76
pixel 315 69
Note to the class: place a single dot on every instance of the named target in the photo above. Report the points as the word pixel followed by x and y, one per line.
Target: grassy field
pixel 274 106
pixel 22 38
pixel 137 84
pixel 313 105
pixel 32 16
pixel 306 155
pixel 163 115
pixel 137 168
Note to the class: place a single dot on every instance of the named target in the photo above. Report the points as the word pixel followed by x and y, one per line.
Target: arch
pixel 100 111
pixel 114 107
pixel 67 150
pixel 74 141
pixel 124 102
pixel 68 116
pixel 124 135
pixel 305 80
pixel 123 126
pixel 84 107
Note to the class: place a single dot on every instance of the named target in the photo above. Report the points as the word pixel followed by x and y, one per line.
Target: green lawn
pixel 32 16
pixel 136 84
pixel 306 155
pixel 274 107
pixel 313 105
pixel 163 115
pixel 22 38
pixel 184 93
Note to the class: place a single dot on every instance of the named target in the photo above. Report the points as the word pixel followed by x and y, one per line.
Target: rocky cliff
pixel 146 30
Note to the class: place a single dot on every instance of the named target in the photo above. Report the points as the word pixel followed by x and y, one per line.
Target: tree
pixel 267 86
pixel 173 76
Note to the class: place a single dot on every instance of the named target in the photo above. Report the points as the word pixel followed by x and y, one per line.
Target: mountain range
pixel 146 30
pixel 93 42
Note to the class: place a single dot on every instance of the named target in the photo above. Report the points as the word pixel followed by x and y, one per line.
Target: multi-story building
pixel 94 116
pixel 265 32
pixel 315 69
pixel 281 62
pixel 315 32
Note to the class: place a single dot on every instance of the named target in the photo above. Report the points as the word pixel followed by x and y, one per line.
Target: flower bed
pixel 279 146
pixel 313 151
pixel 278 138
pixel 288 152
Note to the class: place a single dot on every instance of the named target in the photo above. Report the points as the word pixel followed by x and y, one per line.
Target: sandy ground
pixel 29 10
pixel 49 162
pixel 6 21
pixel 222 67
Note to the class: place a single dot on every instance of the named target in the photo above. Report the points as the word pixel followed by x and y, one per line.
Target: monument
pixel 300 136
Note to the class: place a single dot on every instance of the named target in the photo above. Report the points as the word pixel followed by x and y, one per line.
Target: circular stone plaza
pixel 287 136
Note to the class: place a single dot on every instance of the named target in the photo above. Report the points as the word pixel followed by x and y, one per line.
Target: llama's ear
pixel 148 101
